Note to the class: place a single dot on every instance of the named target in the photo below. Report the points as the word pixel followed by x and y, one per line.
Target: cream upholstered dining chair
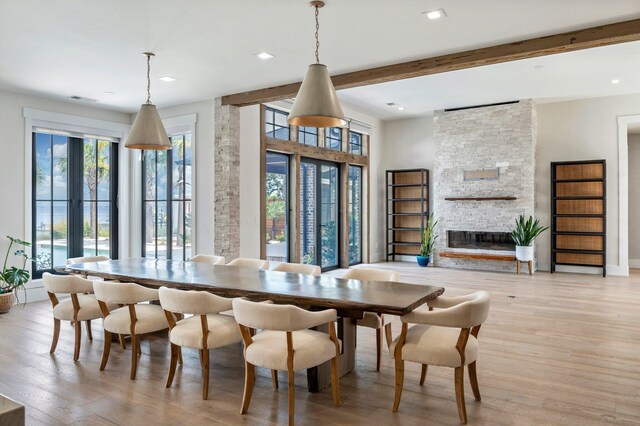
pixel 86 259
pixel 206 329
pixel 371 319
pixel 80 306
pixel 250 263
pixel 298 268
pixel 208 258
pixel 135 318
pixel 285 343
pixel 446 337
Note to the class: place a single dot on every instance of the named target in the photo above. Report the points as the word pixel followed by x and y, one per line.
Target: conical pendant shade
pixel 147 131
pixel 317 104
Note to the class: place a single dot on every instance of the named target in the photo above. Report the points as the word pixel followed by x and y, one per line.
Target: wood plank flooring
pixel 557 349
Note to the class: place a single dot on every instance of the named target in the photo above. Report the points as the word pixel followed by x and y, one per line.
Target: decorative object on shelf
pixel 428 241
pixel 13 278
pixel 316 104
pixel 147 131
pixel 407 209
pixel 524 234
pixel 579 214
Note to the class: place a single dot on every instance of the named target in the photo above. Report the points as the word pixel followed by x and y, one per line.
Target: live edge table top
pixel 350 297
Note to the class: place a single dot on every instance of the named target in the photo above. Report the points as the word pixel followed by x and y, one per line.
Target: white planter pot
pixel 524 253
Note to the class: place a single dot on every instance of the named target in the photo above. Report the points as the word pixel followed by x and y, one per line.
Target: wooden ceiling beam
pixel 587 38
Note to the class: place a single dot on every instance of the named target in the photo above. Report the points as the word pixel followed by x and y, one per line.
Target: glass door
pixel 319 226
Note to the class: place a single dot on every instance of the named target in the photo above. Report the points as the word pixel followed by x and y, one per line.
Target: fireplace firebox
pixel 480 240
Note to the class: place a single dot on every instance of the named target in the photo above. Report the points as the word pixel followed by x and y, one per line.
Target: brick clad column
pixel 227 181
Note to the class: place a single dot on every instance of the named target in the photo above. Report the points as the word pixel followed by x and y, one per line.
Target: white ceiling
pixel 80 47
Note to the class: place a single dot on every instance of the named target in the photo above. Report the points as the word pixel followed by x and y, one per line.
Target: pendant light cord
pixel 148 79
pixel 317 40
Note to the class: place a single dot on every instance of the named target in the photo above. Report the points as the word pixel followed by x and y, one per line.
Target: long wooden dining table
pixel 351 298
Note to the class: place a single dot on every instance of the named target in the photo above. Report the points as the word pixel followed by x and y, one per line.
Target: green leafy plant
pixel 526 231
pixel 13 278
pixel 428 237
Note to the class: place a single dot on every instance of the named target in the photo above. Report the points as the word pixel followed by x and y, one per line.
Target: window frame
pixel 328 138
pixel 287 207
pixel 360 215
pixel 272 112
pixel 359 145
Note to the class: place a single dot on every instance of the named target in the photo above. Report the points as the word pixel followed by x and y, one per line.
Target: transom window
pixel 276 125
pixel 308 136
pixel 167 211
pixel 355 143
pixel 333 138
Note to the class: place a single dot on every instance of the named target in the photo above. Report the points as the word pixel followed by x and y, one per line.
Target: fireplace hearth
pixel 480 240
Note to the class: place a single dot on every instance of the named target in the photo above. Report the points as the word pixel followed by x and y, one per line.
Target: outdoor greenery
pixel 275 211
pixel 526 231
pixel 428 237
pixel 12 277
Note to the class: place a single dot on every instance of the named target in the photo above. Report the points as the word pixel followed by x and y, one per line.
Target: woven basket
pixel 6 302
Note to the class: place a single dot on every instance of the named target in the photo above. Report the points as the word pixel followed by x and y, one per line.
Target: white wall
pixel 250 181
pixel 204 176
pixel 581 130
pixel 12 161
pixel 634 200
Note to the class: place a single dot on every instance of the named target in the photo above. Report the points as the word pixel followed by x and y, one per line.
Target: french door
pixel 319 213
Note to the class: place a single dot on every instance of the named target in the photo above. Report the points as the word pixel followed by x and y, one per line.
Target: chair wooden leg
pixel 274 379
pixel 89 335
pixel 205 374
pixel 56 334
pixel 399 383
pixel 106 350
pixel 335 380
pixel 423 374
pixel 249 380
pixel 459 382
pixel 123 345
pixel 473 379
pixel 292 396
pixel 76 350
pixel 200 358
pixel 134 356
pixel 378 347
pixel 175 350
pixel 388 335
pixel 180 360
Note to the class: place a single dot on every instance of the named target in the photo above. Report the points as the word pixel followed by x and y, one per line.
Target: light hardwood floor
pixel 557 349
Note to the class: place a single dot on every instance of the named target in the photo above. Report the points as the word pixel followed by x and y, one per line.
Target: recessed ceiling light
pixel 615 81
pixel 395 105
pixel 401 108
pixel 264 55
pixel 434 14
pixel 167 79
pixel 108 93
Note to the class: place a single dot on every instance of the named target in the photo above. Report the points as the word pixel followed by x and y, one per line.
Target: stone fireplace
pixel 483 180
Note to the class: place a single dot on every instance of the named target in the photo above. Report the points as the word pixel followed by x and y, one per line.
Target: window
pixel 308 136
pixel 355 215
pixel 74 191
pixel 355 143
pixel 276 125
pixel 277 203
pixel 166 191
pixel 333 138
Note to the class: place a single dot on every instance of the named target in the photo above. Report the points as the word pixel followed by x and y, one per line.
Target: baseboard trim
pixel 615 270
pixel 634 263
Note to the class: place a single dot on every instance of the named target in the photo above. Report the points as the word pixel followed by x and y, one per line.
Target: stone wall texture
pixel 227 181
pixel 475 139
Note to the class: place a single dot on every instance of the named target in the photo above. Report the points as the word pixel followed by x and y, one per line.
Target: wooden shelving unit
pixel 407 208
pixel 579 214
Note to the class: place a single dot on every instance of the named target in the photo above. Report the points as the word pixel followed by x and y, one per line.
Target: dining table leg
pixel 319 377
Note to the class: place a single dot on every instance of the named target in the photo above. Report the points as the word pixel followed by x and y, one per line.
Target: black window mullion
pixel 113 200
pixel 155 219
pixel 75 215
pixel 168 197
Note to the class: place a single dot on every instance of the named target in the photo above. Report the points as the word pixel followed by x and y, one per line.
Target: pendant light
pixel 147 131
pixel 317 104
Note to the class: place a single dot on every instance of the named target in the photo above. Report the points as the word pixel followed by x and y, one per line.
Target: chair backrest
pixel 208 258
pixel 124 293
pixel 268 316
pixel 86 259
pixel 250 263
pixel 192 302
pixel 370 274
pixel 298 268
pixel 71 284
pixel 472 310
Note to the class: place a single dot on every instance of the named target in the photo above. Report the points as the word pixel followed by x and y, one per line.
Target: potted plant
pixel 13 278
pixel 427 241
pixel 524 234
